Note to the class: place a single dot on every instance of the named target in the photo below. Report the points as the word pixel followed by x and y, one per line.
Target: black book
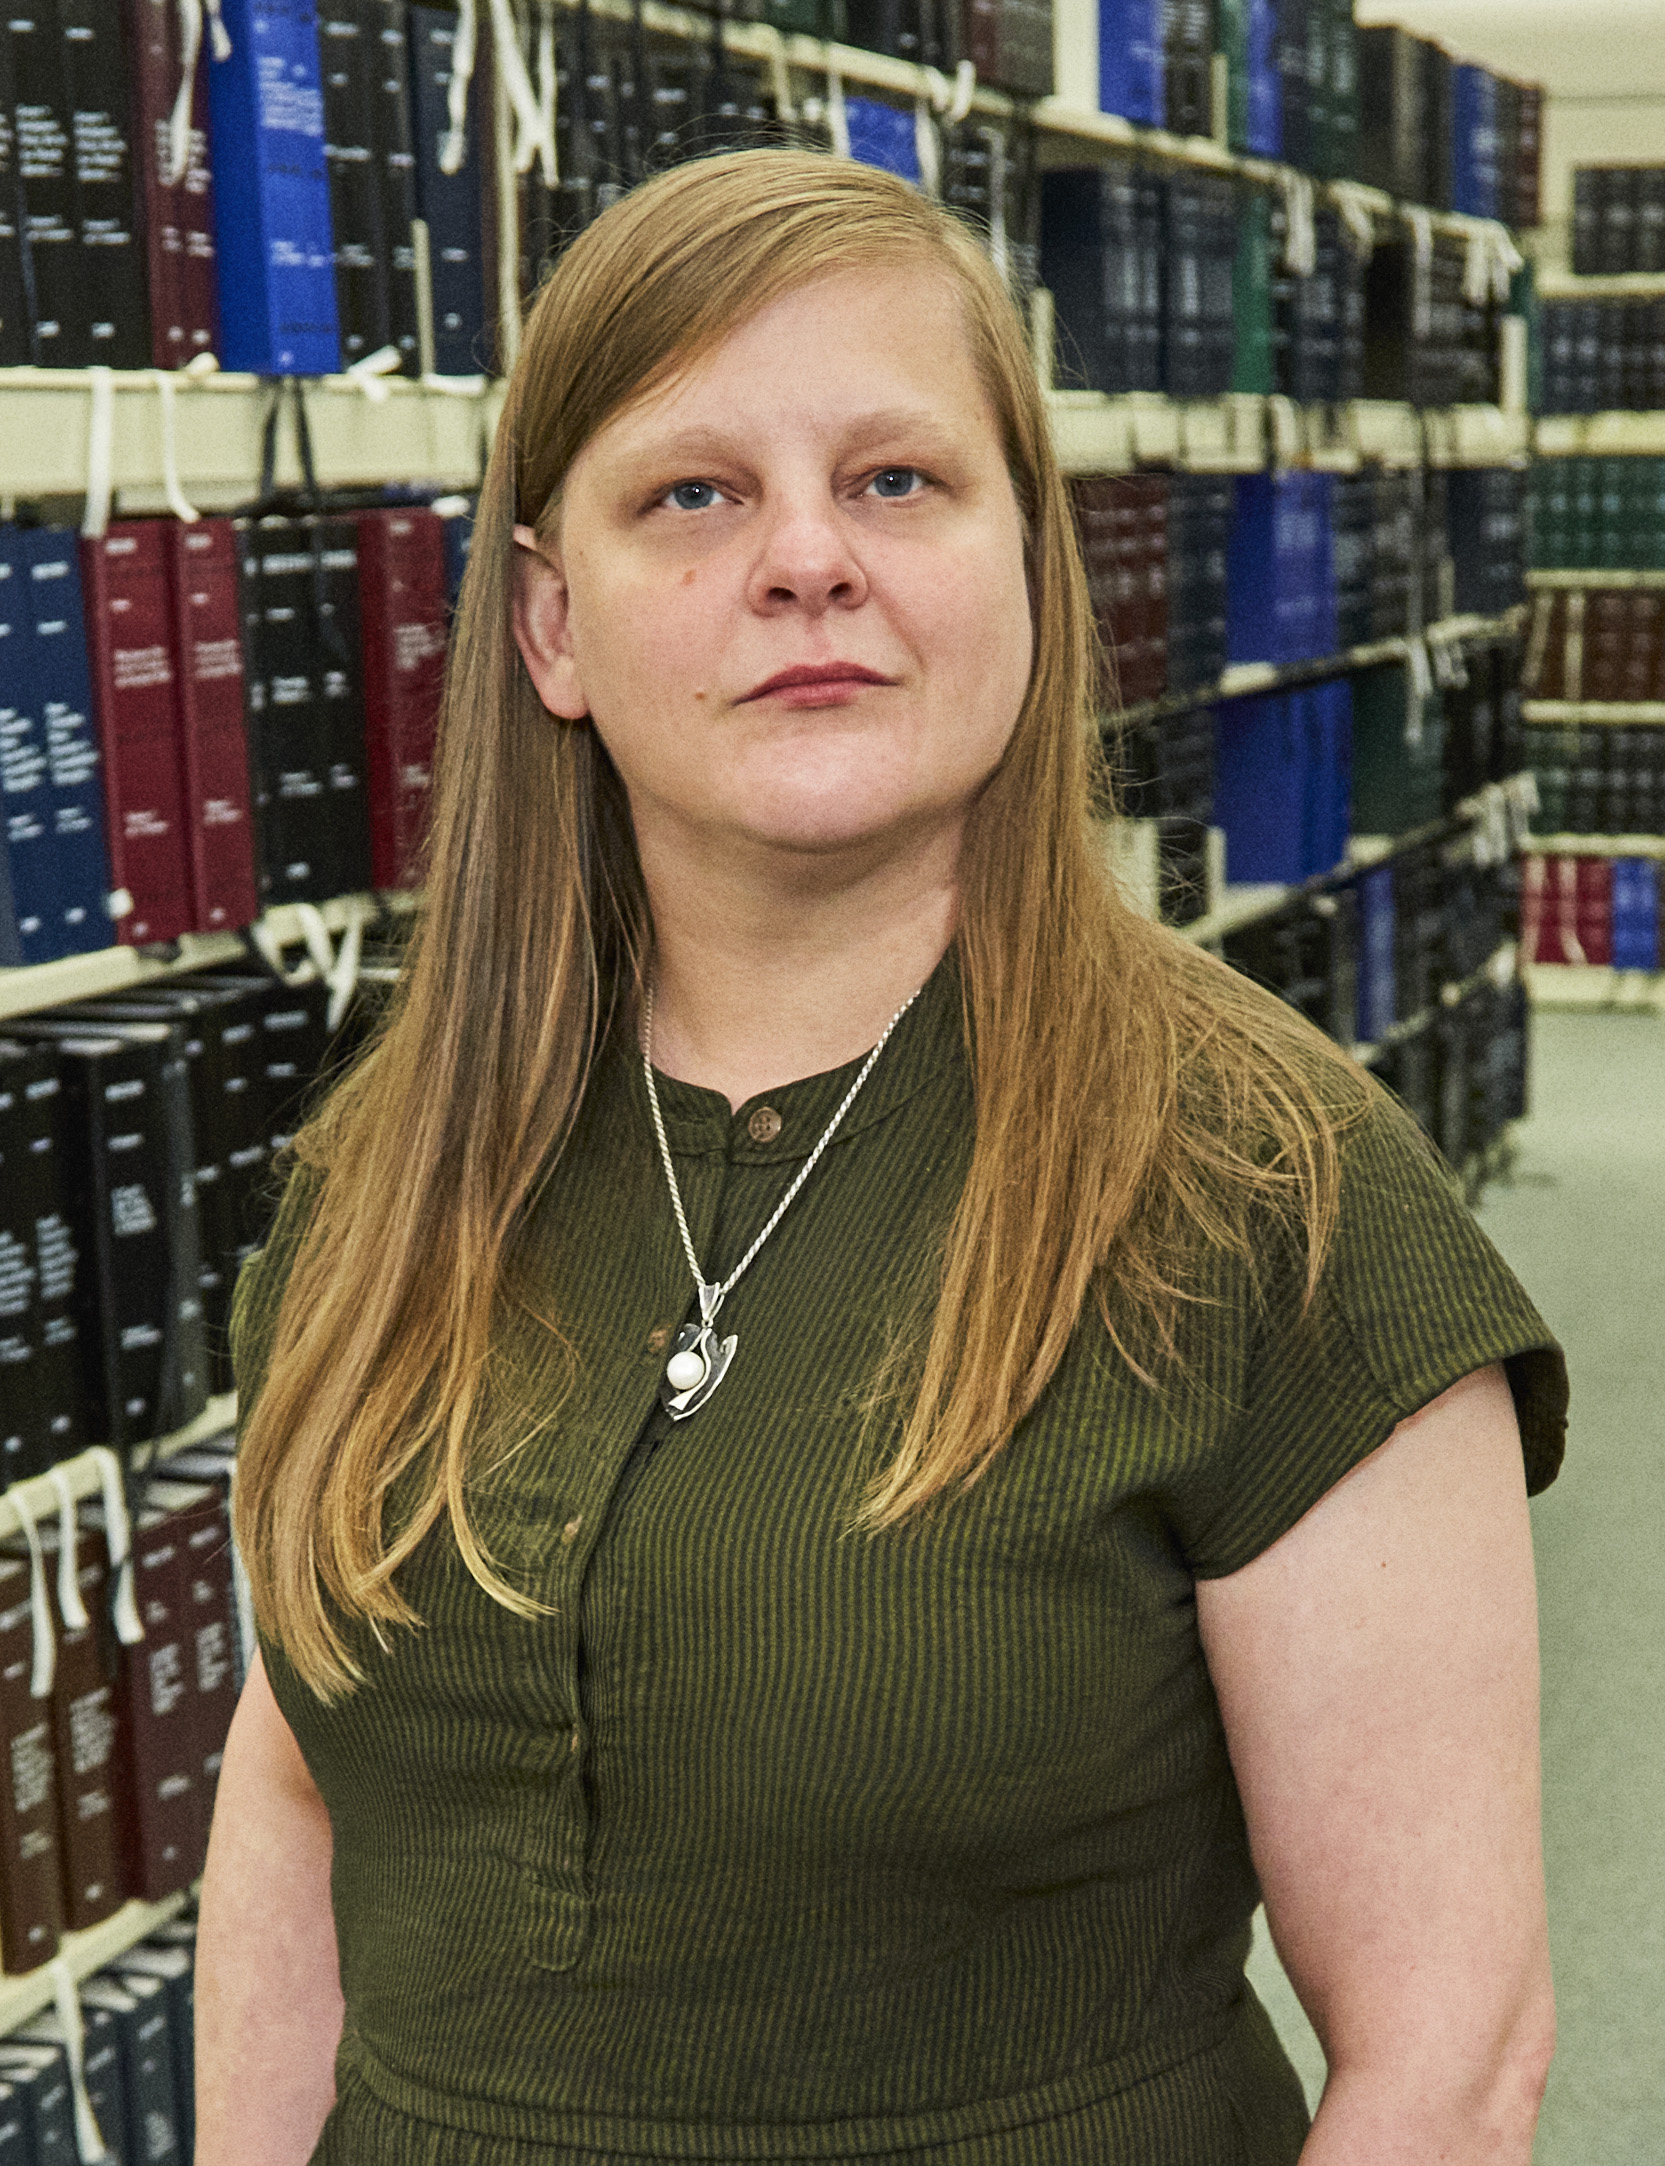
pixel 1391 111
pixel 48 209
pixel 38 2079
pixel 15 2148
pixel 449 204
pixel 235 1020
pixel 390 140
pixel 1438 126
pixel 14 297
pixel 341 704
pixel 112 289
pixel 21 1423
pixel 293 1047
pixel 926 31
pixel 101 2074
pixel 1187 66
pixel 129 1155
pixel 1293 52
pixel 1197 263
pixel 210 1062
pixel 172 1966
pixel 138 2006
pixel 349 57
pixel 36 1210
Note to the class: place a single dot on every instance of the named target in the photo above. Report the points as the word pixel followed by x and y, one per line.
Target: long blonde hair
pixel 1133 1097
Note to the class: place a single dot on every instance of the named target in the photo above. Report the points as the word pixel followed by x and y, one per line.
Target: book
pixel 132 643
pixel 59 683
pixel 112 312
pixel 178 217
pixel 172 1965
pixel 37 2077
pixel 44 1399
pixel 15 342
pixel 213 734
pixel 133 1219
pixel 883 135
pixel 138 2007
pixel 1101 256
pixel 448 203
pixel 1188 66
pixel 395 157
pixel 1009 43
pixel 47 196
pixel 93 1779
pixel 239 1130
pixel 31 1896
pixel 401 565
pixel 1199 257
pixel 275 264
pixel 28 892
pixel 1477 173
pixel 1392 110
pixel 1131 77
pixel 99 2053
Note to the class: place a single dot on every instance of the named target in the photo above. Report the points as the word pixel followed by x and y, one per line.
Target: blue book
pixel 1131 75
pixel 1377 956
pixel 69 734
pixel 274 244
pixel 1251 571
pixel 1330 773
pixel 30 932
pixel 1262 753
pixel 1476 143
pixel 1635 913
pixel 449 204
pixel 883 135
pixel 1265 83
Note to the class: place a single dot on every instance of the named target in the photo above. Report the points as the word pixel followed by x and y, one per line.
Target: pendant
pixel 699 1362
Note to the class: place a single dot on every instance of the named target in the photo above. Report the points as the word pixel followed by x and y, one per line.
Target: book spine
pixel 93 1795
pixel 341 703
pixel 14 292
pixel 390 137
pixel 16 723
pixel 202 572
pixel 111 295
pixel 164 1833
pixel 1130 46
pixel 287 753
pixel 276 267
pixel 46 186
pixel 206 1533
pixel 31 1904
pixel 449 204
pixel 22 1445
pixel 58 1291
pixel 402 597
pixel 347 50
pixel 136 696
pixel 34 866
pixel 75 784
pixel 178 213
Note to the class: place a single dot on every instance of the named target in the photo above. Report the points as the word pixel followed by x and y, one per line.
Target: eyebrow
pixel 700 441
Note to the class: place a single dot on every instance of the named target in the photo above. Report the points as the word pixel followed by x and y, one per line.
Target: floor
pixel 1583 1222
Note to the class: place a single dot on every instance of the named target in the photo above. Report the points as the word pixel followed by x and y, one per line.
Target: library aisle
pixel 1580 1221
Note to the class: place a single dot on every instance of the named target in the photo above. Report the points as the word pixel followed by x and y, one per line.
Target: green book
pixel 1251 295
pixel 1398 753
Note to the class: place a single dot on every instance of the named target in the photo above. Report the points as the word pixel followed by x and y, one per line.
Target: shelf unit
pixel 1616 712
pixel 1599 436
pixel 1589 986
pixel 1572 582
pixel 1596 846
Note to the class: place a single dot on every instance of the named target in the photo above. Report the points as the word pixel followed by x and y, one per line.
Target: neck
pixel 760 981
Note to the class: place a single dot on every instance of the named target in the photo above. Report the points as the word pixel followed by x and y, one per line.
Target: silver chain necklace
pixel 699 1359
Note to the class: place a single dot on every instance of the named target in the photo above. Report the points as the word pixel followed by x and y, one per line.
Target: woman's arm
pixel 1377 1671
pixel 268 1986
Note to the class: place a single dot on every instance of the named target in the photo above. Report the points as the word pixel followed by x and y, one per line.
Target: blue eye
pixel 675 492
pixel 896 473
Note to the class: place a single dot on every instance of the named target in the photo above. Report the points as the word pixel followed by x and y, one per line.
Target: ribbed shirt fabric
pixel 776 1842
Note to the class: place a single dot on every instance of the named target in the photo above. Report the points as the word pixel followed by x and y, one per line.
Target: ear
pixel 542 631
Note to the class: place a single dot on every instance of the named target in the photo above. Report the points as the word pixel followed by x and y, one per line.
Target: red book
pixel 401 573
pixel 31 1900
pixel 93 1782
pixel 130 634
pixel 1593 889
pixel 214 744
pixel 198 1515
pixel 165 1832
pixel 179 215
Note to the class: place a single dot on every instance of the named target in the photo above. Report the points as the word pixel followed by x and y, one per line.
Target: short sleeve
pixel 1412 1297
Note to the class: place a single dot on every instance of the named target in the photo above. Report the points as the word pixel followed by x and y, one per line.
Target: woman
pixel 810 1682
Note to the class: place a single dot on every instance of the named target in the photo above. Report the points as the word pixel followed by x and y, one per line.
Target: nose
pixel 807 556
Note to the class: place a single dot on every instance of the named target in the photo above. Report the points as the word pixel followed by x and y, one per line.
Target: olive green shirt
pixel 774 1842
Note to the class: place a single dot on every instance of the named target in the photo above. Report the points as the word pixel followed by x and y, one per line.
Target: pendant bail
pixel 711 1300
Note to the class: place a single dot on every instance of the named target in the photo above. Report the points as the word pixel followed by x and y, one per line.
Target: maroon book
pixel 198 1514
pixel 179 214
pixel 165 1832
pixel 31 1899
pixel 401 572
pixel 213 737
pixel 93 1780
pixel 135 690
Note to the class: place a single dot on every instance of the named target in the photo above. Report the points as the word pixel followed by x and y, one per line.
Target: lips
pixel 818 673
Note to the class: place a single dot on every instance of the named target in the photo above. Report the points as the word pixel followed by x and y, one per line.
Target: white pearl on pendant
pixel 684 1371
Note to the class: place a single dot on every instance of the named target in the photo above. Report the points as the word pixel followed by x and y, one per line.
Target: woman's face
pixel 827 487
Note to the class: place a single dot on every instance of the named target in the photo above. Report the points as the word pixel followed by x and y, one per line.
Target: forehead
pixel 865 350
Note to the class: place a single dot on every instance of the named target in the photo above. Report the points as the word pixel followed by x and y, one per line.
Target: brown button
pixel 569 1533
pixel 764 1125
pixel 659 1338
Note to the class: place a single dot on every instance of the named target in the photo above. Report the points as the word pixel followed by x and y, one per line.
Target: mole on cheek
pixel 689 575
